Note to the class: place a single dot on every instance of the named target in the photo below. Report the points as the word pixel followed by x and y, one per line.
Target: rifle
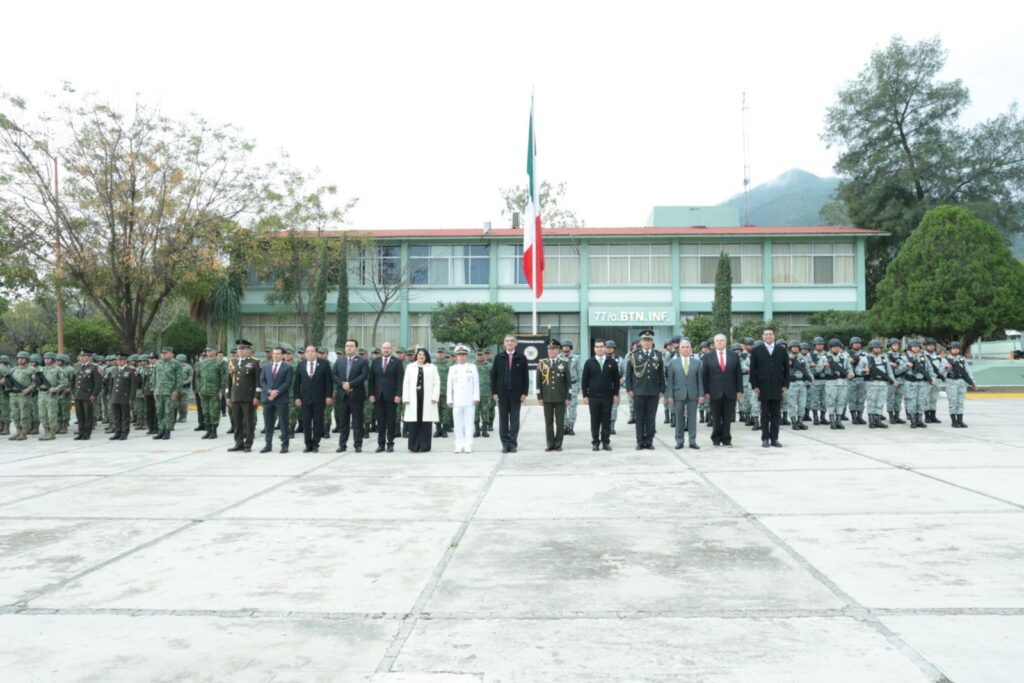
pixel 40 378
pixel 959 371
pixel 13 385
pixel 875 371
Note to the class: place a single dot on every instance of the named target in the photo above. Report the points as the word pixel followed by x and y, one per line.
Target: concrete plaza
pixel 882 556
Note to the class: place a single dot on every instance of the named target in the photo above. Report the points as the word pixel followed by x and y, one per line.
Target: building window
pixel 420 333
pixel 561 264
pixel 806 263
pixel 381 264
pixel 447 264
pixel 561 325
pixel 792 324
pixel 630 264
pixel 699 263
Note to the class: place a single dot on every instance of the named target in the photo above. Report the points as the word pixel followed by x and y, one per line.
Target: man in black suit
pixel 510 382
pixel 275 383
pixel 314 390
pixel 350 374
pixel 385 388
pixel 769 377
pixel 724 387
pixel 600 385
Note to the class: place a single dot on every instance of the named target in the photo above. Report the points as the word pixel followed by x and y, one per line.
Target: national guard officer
pixel 86 390
pixel 20 385
pixel 633 346
pixel 816 394
pixel 50 382
pixel 609 346
pixel 138 362
pixel 147 392
pixel 918 378
pixel 938 369
pixel 211 378
pixel 168 377
pixel 5 401
pixel 878 377
pixel 837 374
pixel 64 398
pixel 800 380
pixel 184 400
pixel 855 394
pixel 242 398
pixel 485 413
pixel 444 413
pixel 670 352
pixel 753 404
pixel 123 387
pixel 553 386
pixel 645 384
pixel 575 377
pixel 34 362
pixel 895 394
pixel 958 379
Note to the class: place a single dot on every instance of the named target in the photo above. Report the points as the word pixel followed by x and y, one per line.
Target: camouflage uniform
pixel 958 379
pixel 486 410
pixel 138 400
pixel 816 394
pixel 575 377
pixel 210 379
pixel 894 394
pixel 938 368
pixel 837 374
pixel 799 381
pixel 856 394
pixel 51 381
pixel 444 413
pixel 878 376
pixel 5 401
pixel 20 385
pixel 184 399
pixel 167 379
pixel 918 380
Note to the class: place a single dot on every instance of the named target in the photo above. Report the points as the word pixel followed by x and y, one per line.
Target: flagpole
pixel 533 255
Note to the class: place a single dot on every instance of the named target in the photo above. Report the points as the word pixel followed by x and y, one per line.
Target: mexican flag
pixel 533 244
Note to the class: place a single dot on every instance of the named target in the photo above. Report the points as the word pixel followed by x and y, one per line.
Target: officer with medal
pixel 645 385
pixel 242 396
pixel 124 383
pixel 553 386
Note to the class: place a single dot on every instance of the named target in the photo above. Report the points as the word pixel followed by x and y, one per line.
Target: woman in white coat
pixel 463 394
pixel 421 390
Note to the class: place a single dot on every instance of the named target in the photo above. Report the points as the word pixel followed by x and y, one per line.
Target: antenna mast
pixel 746 163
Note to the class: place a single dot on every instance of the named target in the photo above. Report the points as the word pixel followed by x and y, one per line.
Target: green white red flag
pixel 533 245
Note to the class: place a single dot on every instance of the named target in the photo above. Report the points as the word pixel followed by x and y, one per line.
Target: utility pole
pixel 57 267
pixel 746 164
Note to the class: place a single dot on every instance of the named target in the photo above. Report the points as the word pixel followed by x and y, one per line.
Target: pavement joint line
pixel 924 664
pixel 419 607
pixel 39 592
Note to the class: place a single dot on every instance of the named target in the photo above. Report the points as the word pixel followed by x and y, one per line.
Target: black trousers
pixel 150 413
pixel 419 436
pixel 349 417
pixel 508 420
pixel 122 417
pixel 645 410
pixel 199 411
pixel 311 415
pixel 600 419
pixel 275 416
pixel 554 422
pixel 771 415
pixel 387 424
pixel 85 413
pixel 722 410
pixel 243 417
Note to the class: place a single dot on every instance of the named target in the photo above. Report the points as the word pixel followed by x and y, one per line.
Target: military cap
pixel 461 349
pixel 288 351
pixel 243 343
pixel 554 344
pixel 376 349
pixel 167 349
pixel 804 346
pixel 782 342
pixel 270 349
pixel 609 344
pixel 181 358
pixel 834 342
pixel 914 342
pixel 321 349
pixel 123 354
pixel 22 354
pixel 647 334
pixel 153 355
pixel 85 352
pixel 480 353
pixel 953 345
pixel 51 355
pixel 212 347
pixel 874 344
pixel 676 339
pixel 818 340
pixel 855 340
pixel 704 345
pixel 5 358
pixel 893 340
pixel 749 341
pixel 362 351
pixel 929 340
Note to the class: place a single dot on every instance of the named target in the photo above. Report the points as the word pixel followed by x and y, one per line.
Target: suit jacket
pixel 682 386
pixel 769 373
pixel 598 382
pixel 357 376
pixel 721 384
pixel 385 386
pixel 282 383
pixel 317 388
pixel 518 379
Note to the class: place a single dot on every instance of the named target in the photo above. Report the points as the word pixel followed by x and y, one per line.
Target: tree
pixel 954 279
pixel 753 328
pixel 698 329
pixel 903 150
pixel 25 327
pixel 146 202
pixel 839 324
pixel 481 325
pixel 342 306
pixel 551 215
pixel 318 301
pixel 721 308
pixel 380 267
pixel 93 334
pixel 185 336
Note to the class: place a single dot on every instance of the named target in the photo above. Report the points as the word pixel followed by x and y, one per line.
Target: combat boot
pixel 807 415
pixel 816 420
pixel 213 432
pixel 4 429
pixel 21 434
pixel 485 433
pixel 935 418
pixel 159 435
pixel 35 429
pixel 960 420
pixel 858 418
pixel 755 424
pixel 63 429
pixel 785 418
pixel 839 422
pixel 897 420
pixel 920 421
pixel 476 431
pixel 879 423
pixel 200 428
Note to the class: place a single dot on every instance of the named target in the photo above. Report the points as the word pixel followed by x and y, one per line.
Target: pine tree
pixel 318 305
pixel 721 309
pixel 341 312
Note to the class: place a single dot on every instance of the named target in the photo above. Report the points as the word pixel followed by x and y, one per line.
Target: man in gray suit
pixel 684 387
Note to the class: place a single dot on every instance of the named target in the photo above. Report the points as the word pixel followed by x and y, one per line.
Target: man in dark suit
pixel 275 383
pixel 314 390
pixel 385 388
pixel 769 377
pixel 350 374
pixel 510 383
pixel 723 388
pixel 600 385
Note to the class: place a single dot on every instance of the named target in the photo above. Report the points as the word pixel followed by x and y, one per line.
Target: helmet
pixel 804 346
pixel 36 358
pixel 782 342
pixel 735 346
pixel 819 340
pixel 892 340
pixel 929 340
pixel 874 344
pixel 64 358
pixel 749 341
pixel 953 345
pixel 856 340
pixel 180 358
pixel 914 342
pixel 834 342
pixel 22 354
pixel 50 354
pixel 567 342
pixel 5 358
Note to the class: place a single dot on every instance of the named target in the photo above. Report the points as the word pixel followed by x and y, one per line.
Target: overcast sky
pixel 420 109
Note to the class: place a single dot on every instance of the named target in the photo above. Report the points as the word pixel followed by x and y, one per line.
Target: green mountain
pixel 793 198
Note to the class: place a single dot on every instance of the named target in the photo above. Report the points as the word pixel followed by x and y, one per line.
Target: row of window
pixel 610 264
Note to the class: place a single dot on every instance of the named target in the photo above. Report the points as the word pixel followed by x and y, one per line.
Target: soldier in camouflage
pixel 800 380
pixel 575 377
pixel 938 368
pixel 184 399
pixel 485 412
pixel 211 378
pixel 918 380
pixel 958 380
pixel 50 383
pixel 837 373
pixel 878 376
pixel 855 395
pixel 5 401
pixel 20 387
pixel 895 393
pixel 168 377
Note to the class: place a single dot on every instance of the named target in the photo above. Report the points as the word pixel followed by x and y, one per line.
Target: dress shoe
pixel 115 437
pixel 390 449
pixel 307 449
pixel 679 445
pixel 776 444
pixel 606 447
pixel 234 449
pixel 513 450
pixel 764 443
pixel 247 450
pixel 266 449
pixel 340 449
pixel 596 447
pixel 639 447
pixel 358 449
pixel 612 430
pixel 200 428
pixel 504 450
pixel 559 448
pixel 694 446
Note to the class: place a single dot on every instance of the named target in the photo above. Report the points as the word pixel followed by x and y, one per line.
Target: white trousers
pixel 463 418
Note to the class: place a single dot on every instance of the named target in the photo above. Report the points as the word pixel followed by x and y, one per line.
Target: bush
pixel 839 324
pixel 93 334
pixel 697 329
pixel 185 336
pixel 753 329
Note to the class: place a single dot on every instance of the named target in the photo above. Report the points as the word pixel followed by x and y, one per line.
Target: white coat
pixel 463 384
pixel 431 392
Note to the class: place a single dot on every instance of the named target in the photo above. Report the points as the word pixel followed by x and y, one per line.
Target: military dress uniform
pixel 211 378
pixel 917 383
pixel 50 382
pixel 245 378
pixel 958 379
pixel 124 386
pixel 86 387
pixel 553 386
pixel 147 393
pixel 139 401
pixel 878 376
pixel 645 380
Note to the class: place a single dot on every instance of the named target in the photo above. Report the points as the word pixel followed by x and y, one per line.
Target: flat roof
pixel 507 233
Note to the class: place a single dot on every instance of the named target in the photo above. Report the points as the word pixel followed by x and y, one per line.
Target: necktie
pixel 273 373
pixel 348 368
pixel 310 369
pixel 384 365
pixel 721 360
pixel 508 375
pixel 600 362
pixel 686 366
